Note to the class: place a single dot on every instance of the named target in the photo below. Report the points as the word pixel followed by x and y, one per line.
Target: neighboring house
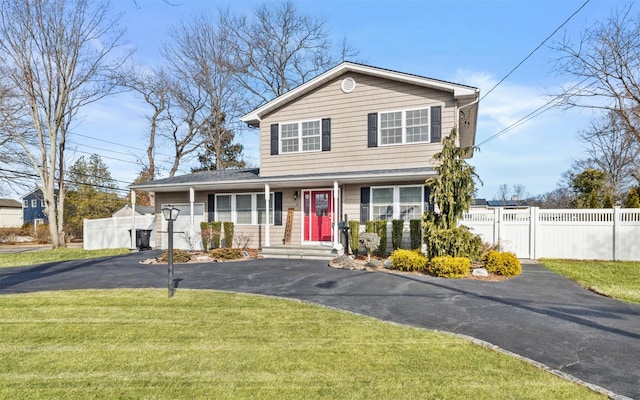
pixel 10 213
pixel 33 208
pixel 139 210
pixel 356 142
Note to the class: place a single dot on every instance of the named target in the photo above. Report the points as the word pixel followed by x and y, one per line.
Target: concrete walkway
pixel 538 315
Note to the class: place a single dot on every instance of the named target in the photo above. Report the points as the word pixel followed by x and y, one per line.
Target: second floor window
pixel 300 136
pixel 411 126
pixel 34 203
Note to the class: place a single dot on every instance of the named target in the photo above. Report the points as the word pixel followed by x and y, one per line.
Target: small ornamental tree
pixel 632 200
pixel 452 191
pixel 370 241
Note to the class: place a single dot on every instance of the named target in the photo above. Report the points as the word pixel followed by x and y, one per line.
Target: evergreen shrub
pixel 226 254
pixel 369 227
pixel 228 234
pixel 397 225
pixel 408 260
pixel 381 231
pixel 179 256
pixel 415 233
pixel 216 229
pixel 354 236
pixel 502 263
pixel 450 267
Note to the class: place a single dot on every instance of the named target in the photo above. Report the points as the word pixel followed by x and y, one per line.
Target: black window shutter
pixel 211 207
pixel 436 124
pixel 428 205
pixel 372 129
pixel 365 199
pixel 277 208
pixel 274 139
pixel 326 134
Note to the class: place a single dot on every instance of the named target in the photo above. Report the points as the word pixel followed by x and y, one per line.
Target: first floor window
pixel 244 208
pixel 223 206
pixel 396 202
pixel 261 208
pixel 410 202
pixel 382 203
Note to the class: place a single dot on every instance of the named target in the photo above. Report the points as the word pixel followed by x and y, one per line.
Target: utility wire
pixel 31 175
pixel 536 49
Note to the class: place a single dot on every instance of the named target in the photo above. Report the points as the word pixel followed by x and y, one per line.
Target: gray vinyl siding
pixel 348 113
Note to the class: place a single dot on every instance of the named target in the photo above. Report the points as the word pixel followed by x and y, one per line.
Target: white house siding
pixel 348 113
pixel 10 217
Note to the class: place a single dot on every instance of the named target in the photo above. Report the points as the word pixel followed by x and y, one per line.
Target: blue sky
pixel 471 42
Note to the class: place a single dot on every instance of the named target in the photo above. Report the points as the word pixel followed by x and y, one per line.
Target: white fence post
pixel 616 231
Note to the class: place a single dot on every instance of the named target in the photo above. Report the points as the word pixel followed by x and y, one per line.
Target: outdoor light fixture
pixel 295 195
pixel 170 213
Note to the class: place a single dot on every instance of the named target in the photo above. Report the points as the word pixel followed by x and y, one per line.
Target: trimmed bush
pixel 502 263
pixel 179 256
pixel 408 260
pixel 216 229
pixel 369 227
pixel 381 231
pixel 226 254
pixel 397 225
pixel 228 234
pixel 455 242
pixel 205 235
pixel 415 233
pixel 354 236
pixel 450 267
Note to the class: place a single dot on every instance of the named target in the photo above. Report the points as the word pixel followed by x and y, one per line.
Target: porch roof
pixel 250 179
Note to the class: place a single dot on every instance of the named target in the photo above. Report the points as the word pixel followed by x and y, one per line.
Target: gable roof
pixel 459 91
pixel 10 203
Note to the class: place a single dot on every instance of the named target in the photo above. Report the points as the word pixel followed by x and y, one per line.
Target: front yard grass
pixel 617 279
pixel 54 255
pixel 132 344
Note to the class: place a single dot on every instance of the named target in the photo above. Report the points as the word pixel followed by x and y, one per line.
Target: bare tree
pixel 155 88
pixel 55 57
pixel 281 49
pixel 613 150
pixel 605 62
pixel 206 96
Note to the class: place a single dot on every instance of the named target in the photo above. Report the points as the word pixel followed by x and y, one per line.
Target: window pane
pixel 290 145
pixel 410 202
pixel 311 143
pixel 411 194
pixel 382 196
pixel 288 131
pixel 289 138
pixel 391 128
pixel 417 126
pixel 311 128
pixel 243 208
pixel 383 212
pixel 223 208
pixel 260 206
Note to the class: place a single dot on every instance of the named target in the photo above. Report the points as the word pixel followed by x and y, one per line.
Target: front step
pixel 301 252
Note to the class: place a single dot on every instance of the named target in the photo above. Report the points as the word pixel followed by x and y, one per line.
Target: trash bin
pixel 143 237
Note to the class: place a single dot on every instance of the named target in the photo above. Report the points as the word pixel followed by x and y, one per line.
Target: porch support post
pixel 133 220
pixel 336 217
pixel 267 191
pixel 192 196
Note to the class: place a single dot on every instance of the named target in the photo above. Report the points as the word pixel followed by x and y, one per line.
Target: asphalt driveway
pixel 538 315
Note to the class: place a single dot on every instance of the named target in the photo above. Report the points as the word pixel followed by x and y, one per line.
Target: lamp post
pixel 170 214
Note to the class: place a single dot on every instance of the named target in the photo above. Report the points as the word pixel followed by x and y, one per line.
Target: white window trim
pixel 34 203
pixel 396 198
pixel 404 126
pixel 254 208
pixel 299 123
pixel 25 204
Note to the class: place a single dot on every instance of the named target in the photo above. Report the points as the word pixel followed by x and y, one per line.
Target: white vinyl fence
pixel 590 234
pixel 113 233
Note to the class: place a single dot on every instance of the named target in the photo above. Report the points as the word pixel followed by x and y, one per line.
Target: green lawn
pixel 617 279
pixel 52 255
pixel 138 344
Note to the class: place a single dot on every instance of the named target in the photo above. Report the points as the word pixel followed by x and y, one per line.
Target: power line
pixel 31 175
pixel 536 49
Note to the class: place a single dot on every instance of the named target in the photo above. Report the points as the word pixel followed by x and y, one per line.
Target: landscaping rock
pixel 479 272
pixel 343 261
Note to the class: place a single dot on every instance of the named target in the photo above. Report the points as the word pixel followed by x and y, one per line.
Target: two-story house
pixel 33 208
pixel 356 142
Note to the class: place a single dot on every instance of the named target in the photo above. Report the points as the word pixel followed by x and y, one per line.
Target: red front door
pixel 318 215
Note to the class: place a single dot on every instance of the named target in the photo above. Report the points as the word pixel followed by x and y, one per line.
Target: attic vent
pixel 348 84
